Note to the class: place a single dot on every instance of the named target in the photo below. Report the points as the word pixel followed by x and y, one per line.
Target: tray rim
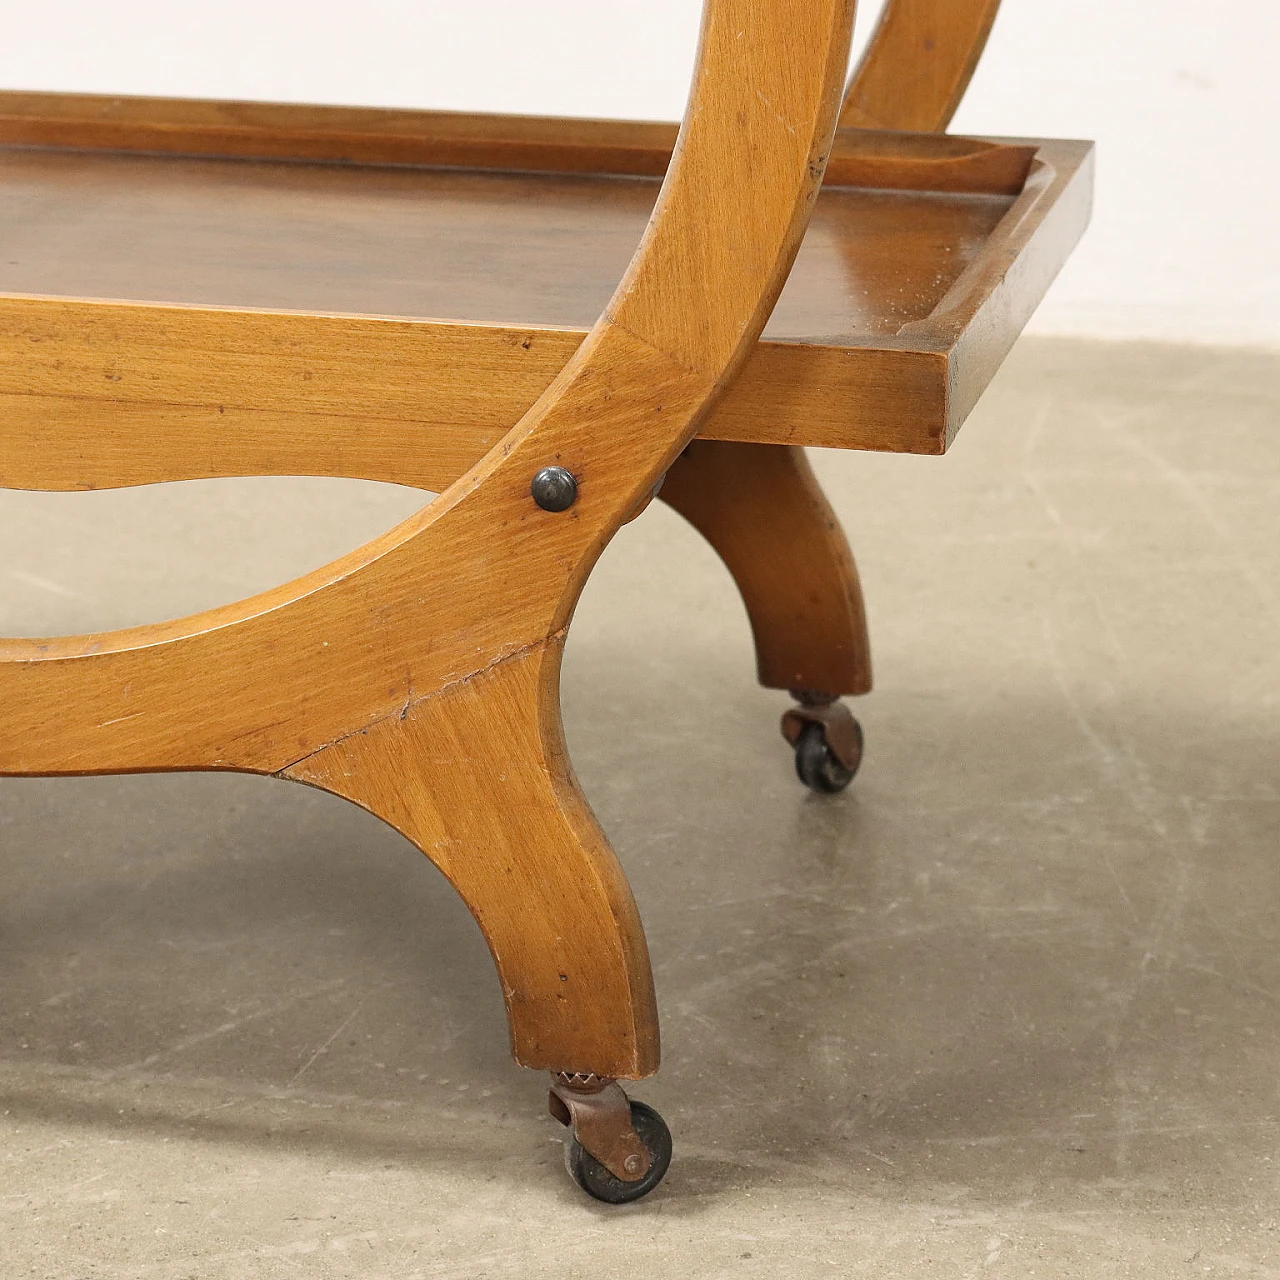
pixel 309 133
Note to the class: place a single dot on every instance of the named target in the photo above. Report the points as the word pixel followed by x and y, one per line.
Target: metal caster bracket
pixel 839 728
pixel 600 1115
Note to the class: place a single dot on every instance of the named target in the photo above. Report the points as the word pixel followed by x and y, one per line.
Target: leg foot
pixel 476 775
pixel 762 510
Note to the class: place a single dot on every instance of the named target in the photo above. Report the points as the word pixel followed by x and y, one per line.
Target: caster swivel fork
pixel 619 1149
pixel 827 740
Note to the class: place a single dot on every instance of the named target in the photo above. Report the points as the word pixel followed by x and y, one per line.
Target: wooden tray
pixel 205 269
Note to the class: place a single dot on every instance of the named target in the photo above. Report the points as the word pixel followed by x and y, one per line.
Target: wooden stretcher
pixel 197 289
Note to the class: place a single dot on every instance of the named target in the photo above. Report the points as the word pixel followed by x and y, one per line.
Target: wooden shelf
pixel 460 248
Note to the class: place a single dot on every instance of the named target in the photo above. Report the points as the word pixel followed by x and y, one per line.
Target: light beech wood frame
pixel 418 676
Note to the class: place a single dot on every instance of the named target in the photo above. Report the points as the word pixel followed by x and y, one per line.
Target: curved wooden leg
pixel 760 507
pixel 477 777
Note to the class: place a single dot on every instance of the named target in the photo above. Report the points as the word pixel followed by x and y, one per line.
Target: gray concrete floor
pixel 1007 1008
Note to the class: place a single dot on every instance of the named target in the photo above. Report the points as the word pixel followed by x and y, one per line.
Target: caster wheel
pixel 816 763
pixel 597 1181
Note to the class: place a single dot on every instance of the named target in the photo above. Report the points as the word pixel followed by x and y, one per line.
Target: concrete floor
pixel 1010 1007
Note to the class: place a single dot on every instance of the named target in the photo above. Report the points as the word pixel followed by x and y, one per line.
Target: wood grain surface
pixel 139 339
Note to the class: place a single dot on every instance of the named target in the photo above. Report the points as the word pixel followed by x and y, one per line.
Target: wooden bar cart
pixel 196 289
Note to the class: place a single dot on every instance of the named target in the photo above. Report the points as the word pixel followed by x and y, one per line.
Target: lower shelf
pixel 312 300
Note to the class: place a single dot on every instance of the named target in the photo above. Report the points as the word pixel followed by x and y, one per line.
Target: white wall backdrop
pixel 1181 96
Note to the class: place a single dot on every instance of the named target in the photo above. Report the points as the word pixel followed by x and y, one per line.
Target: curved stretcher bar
pixel 918 64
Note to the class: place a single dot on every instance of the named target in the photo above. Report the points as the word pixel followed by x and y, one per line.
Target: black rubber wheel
pixel 597 1181
pixel 817 765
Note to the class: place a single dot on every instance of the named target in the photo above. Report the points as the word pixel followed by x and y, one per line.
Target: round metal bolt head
pixel 632 1164
pixel 554 489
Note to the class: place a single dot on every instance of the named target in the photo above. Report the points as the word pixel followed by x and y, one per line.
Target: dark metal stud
pixel 554 489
